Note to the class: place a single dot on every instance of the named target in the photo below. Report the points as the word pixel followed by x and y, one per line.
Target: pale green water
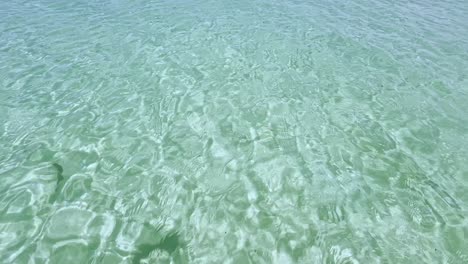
pixel 259 131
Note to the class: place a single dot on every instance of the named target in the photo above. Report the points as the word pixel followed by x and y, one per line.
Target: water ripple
pixel 238 132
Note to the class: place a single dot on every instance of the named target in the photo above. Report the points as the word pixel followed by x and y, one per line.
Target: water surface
pixel 222 131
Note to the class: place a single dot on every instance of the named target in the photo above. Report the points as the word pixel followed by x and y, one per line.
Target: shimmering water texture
pixel 258 131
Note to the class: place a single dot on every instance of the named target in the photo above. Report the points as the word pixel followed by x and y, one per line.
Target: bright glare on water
pixel 222 131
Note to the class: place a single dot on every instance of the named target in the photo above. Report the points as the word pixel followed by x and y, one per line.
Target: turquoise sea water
pixel 259 131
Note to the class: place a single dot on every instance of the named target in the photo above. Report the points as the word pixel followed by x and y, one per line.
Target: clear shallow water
pixel 233 131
